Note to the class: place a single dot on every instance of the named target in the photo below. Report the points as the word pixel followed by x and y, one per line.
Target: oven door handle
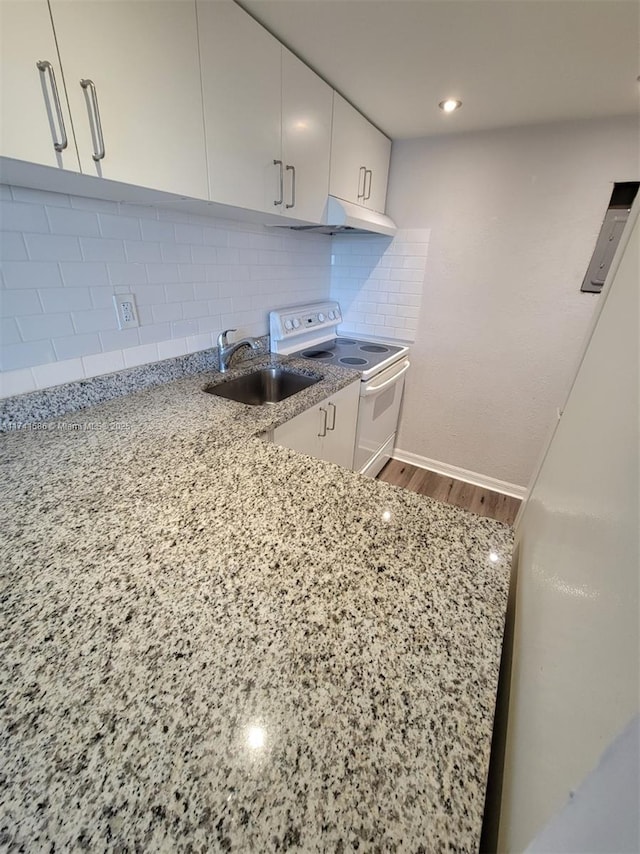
pixel 369 390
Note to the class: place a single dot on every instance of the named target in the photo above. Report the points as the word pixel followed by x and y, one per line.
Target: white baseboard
pixel 471 477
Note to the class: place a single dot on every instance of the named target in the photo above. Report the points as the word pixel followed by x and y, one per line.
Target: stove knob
pixel 288 325
pixel 332 314
pixel 321 317
pixel 296 323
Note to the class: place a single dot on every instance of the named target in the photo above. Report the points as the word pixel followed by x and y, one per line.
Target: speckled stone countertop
pixel 214 644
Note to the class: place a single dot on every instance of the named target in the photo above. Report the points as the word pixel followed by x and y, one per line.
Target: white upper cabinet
pixel 35 124
pixel 306 139
pixel 267 118
pixel 359 158
pixel 133 80
pixel 241 88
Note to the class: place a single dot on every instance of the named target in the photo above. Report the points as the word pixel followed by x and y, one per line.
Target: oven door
pixel 378 414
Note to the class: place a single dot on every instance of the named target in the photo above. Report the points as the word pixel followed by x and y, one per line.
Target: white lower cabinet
pixel 327 431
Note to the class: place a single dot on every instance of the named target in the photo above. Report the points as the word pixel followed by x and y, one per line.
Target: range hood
pixel 346 218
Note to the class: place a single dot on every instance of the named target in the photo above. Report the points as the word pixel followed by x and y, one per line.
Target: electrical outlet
pixel 126 310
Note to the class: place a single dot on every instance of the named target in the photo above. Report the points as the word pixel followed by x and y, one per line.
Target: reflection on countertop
pixel 213 643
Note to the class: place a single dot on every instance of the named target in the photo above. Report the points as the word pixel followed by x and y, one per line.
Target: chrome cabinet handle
pixel 281 199
pixel 43 66
pixel 324 423
pixel 96 125
pixel 362 172
pixel 333 420
pixel 292 169
pixel 367 196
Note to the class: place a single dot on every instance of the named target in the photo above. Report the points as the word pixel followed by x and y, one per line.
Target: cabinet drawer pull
pixel 281 199
pixel 292 169
pixel 367 196
pixel 324 423
pixel 332 426
pixel 45 66
pixel 362 174
pixel 94 120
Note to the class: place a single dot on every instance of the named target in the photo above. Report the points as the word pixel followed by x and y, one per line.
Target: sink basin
pixel 267 385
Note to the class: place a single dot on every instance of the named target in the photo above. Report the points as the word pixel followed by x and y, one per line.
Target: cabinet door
pixel 302 433
pixel 342 419
pixel 348 141
pixel 306 139
pixel 143 59
pixel 241 85
pixel 34 118
pixel 378 152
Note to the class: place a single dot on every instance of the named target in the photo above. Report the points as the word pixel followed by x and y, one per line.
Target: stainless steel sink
pixel 264 386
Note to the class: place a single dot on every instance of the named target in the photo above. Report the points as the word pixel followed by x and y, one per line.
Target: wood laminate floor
pixel 484 502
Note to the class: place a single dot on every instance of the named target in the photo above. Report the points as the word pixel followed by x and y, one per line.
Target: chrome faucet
pixel 226 350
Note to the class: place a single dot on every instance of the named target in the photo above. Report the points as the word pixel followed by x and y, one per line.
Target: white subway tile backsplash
pixel 171 349
pixel 76 274
pixel 12 247
pixel 187 233
pixel 19 216
pixel 16 382
pixel 52 247
pixel 14 303
pixel 103 363
pixel 175 253
pixel 64 257
pixel 65 299
pixel 24 355
pixel 140 355
pixel 119 339
pixel 160 232
pixel 102 249
pixel 95 320
pixel 72 346
pixel 154 332
pixel 71 222
pixel 167 311
pixel 127 274
pixel 9 332
pixel 58 373
pixel 37 327
pixel 116 225
pixel 164 274
pixel 179 293
pixel 137 250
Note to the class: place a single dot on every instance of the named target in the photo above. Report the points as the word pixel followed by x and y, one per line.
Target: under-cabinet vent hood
pixel 344 217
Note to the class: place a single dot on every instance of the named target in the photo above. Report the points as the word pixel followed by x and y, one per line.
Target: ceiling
pixel 511 62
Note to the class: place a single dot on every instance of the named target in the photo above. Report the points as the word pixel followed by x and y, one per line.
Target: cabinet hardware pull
pixel 95 123
pixel 367 196
pixel 324 423
pixel 292 169
pixel 333 420
pixel 281 199
pixel 362 172
pixel 43 66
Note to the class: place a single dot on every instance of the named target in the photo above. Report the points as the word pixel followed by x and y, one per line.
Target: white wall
pixel 63 258
pixel 514 215
pixel 575 668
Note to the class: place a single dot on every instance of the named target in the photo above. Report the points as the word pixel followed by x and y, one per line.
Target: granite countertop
pixel 215 644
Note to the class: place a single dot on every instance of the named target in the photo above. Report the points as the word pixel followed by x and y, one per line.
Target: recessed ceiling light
pixel 450 105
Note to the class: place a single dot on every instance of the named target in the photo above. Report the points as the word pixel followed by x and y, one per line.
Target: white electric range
pixel 311 332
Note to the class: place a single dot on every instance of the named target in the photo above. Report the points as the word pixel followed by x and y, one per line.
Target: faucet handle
pixel 222 337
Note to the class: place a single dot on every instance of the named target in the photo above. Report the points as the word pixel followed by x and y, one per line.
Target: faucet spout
pixel 226 350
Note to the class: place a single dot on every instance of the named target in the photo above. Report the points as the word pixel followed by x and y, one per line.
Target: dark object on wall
pixel 614 222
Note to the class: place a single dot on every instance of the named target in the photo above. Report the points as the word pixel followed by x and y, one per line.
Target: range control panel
pixel 297 320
